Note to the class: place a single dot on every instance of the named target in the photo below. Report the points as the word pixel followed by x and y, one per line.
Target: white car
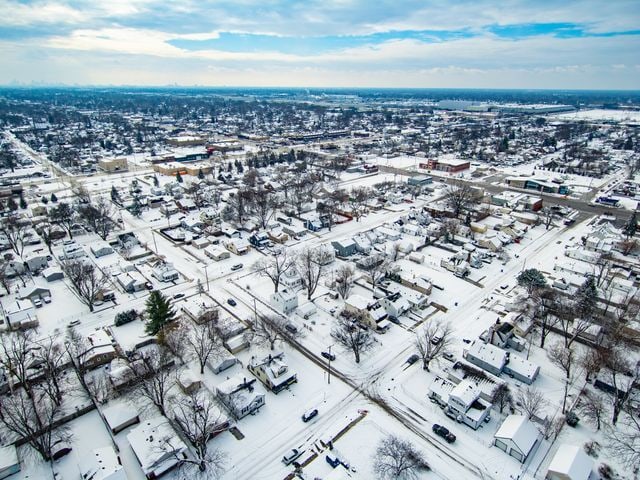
pixel 290 456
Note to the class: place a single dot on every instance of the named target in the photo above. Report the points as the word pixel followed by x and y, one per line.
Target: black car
pixel 413 359
pixel 178 295
pixel 443 432
pixel 328 356
pixel 309 415
pixel 231 302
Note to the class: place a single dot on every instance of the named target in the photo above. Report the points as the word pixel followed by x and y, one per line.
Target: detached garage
pixel 570 463
pixel 517 436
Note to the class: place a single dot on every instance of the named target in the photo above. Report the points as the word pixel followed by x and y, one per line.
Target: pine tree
pixel 156 181
pixel 12 205
pixel 115 196
pixel 23 203
pixel 632 226
pixel 200 175
pixel 179 177
pixel 159 313
pixel 54 199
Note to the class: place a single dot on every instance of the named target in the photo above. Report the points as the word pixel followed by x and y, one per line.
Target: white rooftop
pixel 520 431
pixel 571 461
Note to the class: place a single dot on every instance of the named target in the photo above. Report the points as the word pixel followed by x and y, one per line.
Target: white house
pixel 216 253
pixel 570 463
pixel 273 372
pixel 35 262
pixel 100 249
pixel 238 246
pixel 165 272
pixel 285 300
pixel 131 282
pixel 240 395
pixel 120 416
pixel 486 356
pixel 19 314
pixel 102 464
pixel 156 446
pixel 100 349
pixel 462 401
pixel 517 436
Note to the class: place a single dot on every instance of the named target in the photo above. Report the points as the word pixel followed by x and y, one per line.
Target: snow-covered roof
pixel 520 431
pixel 466 392
pixel 571 461
pixel 8 457
pixel 119 414
pixel 156 445
pixel 488 353
pixel 102 464
pixel 358 302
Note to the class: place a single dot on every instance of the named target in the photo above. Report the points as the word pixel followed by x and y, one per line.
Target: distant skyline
pixel 539 44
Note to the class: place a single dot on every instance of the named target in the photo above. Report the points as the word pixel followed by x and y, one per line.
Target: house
pixel 120 416
pixel 260 240
pixel 570 463
pixel 292 279
pixel 313 224
pixel 462 402
pixel 36 262
pixel 502 335
pixel 52 274
pixel 164 272
pixel 285 300
pixel 521 369
pixel 131 282
pixel 395 304
pixel 344 248
pixel 220 363
pixel 241 396
pixel 102 464
pixel 277 236
pixel 273 372
pixel 294 230
pixel 71 251
pixel 100 249
pixel 197 306
pixel 9 463
pixel 188 382
pixel 19 315
pixel 238 246
pixel 111 165
pixel 486 356
pixel 33 292
pixel 100 350
pixel 236 343
pixel 156 446
pixel 216 253
pixel 517 436
pixel 307 310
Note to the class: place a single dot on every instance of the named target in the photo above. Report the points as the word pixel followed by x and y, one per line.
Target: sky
pixel 545 44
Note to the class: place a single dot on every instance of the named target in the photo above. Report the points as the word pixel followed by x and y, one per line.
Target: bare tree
pixel 264 204
pixel 377 271
pixel 548 215
pixel 311 263
pixel 204 342
pixel 88 282
pixel 17 357
pixel 52 358
pixel 620 373
pixel 563 358
pixel 623 444
pixel 544 300
pixel 156 379
pixel 344 278
pixel 275 266
pixel 459 196
pixel 33 418
pixel 48 233
pixel 15 231
pixel 358 198
pixel 99 216
pixel 531 401
pixel 354 336
pixel 433 341
pixel 268 330
pixel 396 458
pixel 200 420
pixel 502 396
pixel 592 406
pixel 64 216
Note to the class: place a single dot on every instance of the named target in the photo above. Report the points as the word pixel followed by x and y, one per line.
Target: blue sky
pixel 401 43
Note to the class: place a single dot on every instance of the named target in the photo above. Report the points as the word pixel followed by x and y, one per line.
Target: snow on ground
pixel 601 114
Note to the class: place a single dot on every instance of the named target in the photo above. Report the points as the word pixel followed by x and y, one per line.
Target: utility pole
pixel 329 368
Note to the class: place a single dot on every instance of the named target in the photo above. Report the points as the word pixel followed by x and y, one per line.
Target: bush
pixel 605 471
pixel 572 419
pixel 592 448
pixel 125 317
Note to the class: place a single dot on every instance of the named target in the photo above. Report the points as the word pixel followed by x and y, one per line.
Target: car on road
pixel 505 286
pixel 237 266
pixel 307 416
pixel 148 285
pixel 232 302
pixel 413 359
pixel 178 295
pixel 449 356
pixel 291 455
pixel 73 323
pixel 443 432
pixel 328 356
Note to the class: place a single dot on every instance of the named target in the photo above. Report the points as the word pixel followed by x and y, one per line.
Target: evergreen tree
pixel 632 226
pixel 531 279
pixel 159 313
pixel 115 196
pixel 23 203
pixel 12 205
pixel 54 199
pixel 200 175
pixel 136 208
pixel 179 177
pixel 156 181
pixel 585 298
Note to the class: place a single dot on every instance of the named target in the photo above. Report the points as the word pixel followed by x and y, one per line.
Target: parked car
pixel 232 302
pixel 148 285
pixel 309 415
pixel 328 356
pixel 413 359
pixel 37 302
pixel 178 295
pixel 290 456
pixel 291 328
pixel 443 432
pixel 449 356
pixel 436 340
pixel 73 323
pixel 237 266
